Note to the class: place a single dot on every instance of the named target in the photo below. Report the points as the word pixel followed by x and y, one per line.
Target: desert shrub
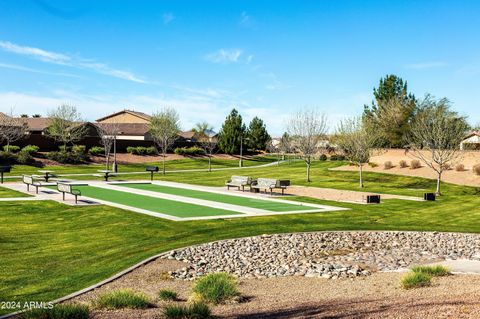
pixel 414 164
pixel 216 288
pixel 167 294
pixel 372 164
pixel 476 169
pixel 415 280
pixel 447 166
pixel 434 271
pixel 25 158
pixel 195 310
pixel 30 149
pixel 58 312
pixel 402 164
pixel 11 148
pixel 322 157
pixel 460 167
pixel 387 165
pixel 336 157
pixel 194 150
pixel 96 150
pixel 123 298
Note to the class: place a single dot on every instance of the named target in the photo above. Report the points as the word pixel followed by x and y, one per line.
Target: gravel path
pixel 323 254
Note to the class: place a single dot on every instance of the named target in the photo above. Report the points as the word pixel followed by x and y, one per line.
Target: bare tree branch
pixel 11 129
pixel 164 128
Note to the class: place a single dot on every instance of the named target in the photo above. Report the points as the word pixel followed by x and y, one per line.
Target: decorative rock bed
pixel 323 254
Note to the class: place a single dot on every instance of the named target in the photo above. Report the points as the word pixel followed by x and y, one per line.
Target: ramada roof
pixel 135 113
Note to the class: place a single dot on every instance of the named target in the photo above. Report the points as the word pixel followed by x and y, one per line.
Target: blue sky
pixel 266 58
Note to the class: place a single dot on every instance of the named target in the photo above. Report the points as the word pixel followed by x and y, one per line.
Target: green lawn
pixel 181 164
pixel 222 198
pixel 5 193
pixel 158 205
pixel 48 249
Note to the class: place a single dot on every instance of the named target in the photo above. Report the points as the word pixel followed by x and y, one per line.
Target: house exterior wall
pixel 124 118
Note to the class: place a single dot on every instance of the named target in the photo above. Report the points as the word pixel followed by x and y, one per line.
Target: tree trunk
pixel 210 163
pixel 308 171
pixel 8 147
pixel 439 179
pixel 163 163
pixel 361 174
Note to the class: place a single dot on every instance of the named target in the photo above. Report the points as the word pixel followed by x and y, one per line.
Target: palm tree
pixel 202 128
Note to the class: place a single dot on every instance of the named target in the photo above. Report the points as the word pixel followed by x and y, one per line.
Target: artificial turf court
pixel 153 204
pixel 187 203
pixel 274 206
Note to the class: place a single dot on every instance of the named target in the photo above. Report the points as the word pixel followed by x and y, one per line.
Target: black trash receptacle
pixel 429 196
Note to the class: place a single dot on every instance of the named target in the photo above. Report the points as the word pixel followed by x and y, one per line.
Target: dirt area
pixel 337 194
pixel 375 296
pixel 466 177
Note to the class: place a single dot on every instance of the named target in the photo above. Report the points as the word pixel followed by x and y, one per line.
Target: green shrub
pixel 434 271
pixel 96 150
pixel 151 150
pixel 323 157
pixel 79 149
pixel 336 157
pixel 194 150
pixel 216 288
pixel 372 164
pixel 123 298
pixel 58 312
pixel 415 280
pixel 141 150
pixel 167 294
pixel 7 158
pixel 30 149
pixel 11 148
pixel 194 311
pixel 25 158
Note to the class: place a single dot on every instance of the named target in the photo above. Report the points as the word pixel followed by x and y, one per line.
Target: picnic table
pixel 106 174
pixel 46 174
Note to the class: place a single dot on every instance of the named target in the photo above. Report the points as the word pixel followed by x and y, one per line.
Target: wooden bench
pixel 105 175
pixel 68 189
pixel 271 184
pixel 239 182
pixel 29 181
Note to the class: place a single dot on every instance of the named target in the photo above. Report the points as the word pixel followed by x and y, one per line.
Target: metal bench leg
pixel 63 196
pixel 75 199
pixel 283 189
pixel 36 189
pixel 28 188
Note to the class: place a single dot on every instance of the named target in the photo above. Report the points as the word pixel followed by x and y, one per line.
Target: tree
pixel 108 133
pixel 231 132
pixel 392 111
pixel 208 140
pixel 164 128
pixel 358 140
pixel 436 134
pixel 307 128
pixel 257 134
pixel 285 145
pixel 11 129
pixel 66 125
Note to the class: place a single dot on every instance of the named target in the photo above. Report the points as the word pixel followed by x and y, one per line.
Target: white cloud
pixel 224 56
pixel 167 18
pixel 426 65
pixel 37 53
pixel 26 69
pixel 70 61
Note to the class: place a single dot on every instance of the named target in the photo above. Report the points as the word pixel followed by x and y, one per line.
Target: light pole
pixel 115 167
pixel 240 164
